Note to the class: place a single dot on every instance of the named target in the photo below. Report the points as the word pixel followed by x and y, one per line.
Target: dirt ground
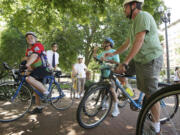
pixel 54 122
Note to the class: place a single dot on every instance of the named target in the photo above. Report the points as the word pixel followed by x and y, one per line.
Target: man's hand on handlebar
pixel 120 69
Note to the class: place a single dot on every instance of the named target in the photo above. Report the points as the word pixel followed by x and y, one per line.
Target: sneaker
pixel 77 96
pixel 36 110
pixel 115 112
pixel 153 129
pixel 81 95
pixel 154 132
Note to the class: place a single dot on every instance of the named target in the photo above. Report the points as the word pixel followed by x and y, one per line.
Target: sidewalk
pixel 53 122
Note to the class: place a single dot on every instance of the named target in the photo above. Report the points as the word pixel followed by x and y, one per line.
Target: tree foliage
pixel 76 25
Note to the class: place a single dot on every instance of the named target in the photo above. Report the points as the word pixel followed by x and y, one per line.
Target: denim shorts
pixel 147 75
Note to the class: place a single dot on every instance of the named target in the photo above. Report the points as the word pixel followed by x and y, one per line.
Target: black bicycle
pixel 172 126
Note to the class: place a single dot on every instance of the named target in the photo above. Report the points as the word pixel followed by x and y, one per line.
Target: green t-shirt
pixel 151 47
pixel 115 58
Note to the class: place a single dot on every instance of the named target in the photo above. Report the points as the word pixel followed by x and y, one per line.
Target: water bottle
pixel 129 90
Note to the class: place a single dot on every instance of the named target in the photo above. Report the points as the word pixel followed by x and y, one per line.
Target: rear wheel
pixel 14 107
pixel 61 99
pixel 90 112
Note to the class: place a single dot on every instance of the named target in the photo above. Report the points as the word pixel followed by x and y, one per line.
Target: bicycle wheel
pixel 61 99
pixel 92 86
pixel 90 112
pixel 169 121
pixel 101 94
pixel 14 108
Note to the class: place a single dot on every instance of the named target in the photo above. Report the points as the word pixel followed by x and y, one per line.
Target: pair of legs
pixel 35 79
pixel 116 109
pixel 37 85
pixel 147 80
pixel 80 85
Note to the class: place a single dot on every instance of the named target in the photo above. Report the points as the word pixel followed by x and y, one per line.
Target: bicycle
pixel 18 99
pixel 171 127
pixel 90 113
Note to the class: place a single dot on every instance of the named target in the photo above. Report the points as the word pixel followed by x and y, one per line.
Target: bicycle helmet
pixel 80 57
pixel 30 33
pixel 108 39
pixel 129 1
pixel 140 4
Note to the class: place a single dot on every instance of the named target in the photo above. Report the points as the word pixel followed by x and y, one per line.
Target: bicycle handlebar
pixel 109 64
pixel 6 66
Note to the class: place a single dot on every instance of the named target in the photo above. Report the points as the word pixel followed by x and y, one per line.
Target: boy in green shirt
pixel 107 46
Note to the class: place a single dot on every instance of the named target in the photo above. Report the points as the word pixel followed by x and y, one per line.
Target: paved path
pixel 53 122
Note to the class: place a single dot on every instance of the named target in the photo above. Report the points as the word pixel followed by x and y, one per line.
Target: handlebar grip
pixel 65 76
pixel 6 66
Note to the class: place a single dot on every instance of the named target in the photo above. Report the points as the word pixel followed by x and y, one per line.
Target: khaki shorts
pixel 147 75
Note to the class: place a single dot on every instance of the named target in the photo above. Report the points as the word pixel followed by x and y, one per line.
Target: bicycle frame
pixel 52 79
pixel 119 85
pixel 135 103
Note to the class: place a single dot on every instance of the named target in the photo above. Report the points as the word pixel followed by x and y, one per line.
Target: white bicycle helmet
pixel 129 1
pixel 30 33
pixel 80 57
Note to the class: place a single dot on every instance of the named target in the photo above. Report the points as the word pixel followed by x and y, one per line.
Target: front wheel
pixel 61 99
pixel 94 107
pixel 169 114
pixel 14 107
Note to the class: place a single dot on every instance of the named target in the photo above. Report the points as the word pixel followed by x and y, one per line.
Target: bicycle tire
pixel 86 106
pixel 143 124
pixel 11 110
pixel 96 86
pixel 92 86
pixel 61 99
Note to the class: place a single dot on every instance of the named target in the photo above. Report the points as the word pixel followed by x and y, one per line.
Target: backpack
pixel 44 60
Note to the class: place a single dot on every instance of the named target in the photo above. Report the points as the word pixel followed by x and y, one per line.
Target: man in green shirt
pixel 145 50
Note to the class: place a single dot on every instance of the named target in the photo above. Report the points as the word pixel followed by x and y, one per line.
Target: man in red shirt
pixel 34 64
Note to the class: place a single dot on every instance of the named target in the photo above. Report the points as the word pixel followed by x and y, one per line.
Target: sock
pixel 156 126
pixel 116 106
pixel 39 107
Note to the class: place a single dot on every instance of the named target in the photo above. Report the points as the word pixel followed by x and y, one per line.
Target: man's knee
pixel 27 78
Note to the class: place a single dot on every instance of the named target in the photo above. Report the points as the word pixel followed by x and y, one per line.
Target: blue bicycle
pixel 91 113
pixel 16 96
